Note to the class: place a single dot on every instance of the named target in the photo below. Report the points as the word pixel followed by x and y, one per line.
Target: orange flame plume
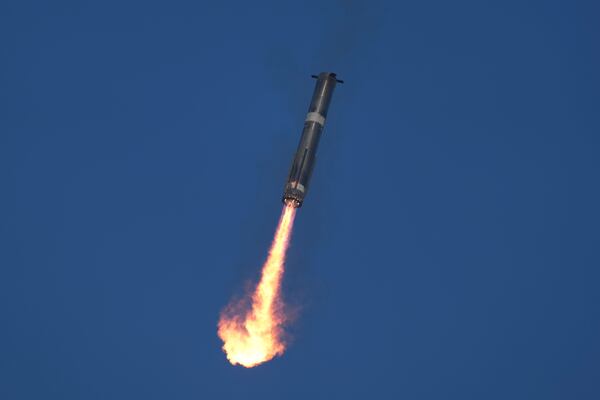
pixel 254 336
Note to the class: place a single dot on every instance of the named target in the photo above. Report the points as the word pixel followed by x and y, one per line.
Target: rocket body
pixel 305 157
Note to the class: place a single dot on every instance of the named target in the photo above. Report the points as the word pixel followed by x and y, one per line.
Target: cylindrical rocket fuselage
pixel 304 160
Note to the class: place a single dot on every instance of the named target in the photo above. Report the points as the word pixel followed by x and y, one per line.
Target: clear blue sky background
pixel 448 248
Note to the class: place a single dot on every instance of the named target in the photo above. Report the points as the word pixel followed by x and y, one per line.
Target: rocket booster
pixel 304 160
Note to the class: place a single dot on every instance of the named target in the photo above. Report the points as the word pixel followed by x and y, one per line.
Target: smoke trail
pixel 253 336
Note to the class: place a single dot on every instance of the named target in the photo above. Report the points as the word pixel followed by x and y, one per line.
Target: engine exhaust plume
pixel 254 335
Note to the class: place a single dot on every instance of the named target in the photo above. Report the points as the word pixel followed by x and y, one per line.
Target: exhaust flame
pixel 253 336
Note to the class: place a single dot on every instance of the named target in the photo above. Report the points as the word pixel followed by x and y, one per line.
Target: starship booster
pixel 304 160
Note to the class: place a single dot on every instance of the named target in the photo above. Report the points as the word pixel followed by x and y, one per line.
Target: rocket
pixel 304 160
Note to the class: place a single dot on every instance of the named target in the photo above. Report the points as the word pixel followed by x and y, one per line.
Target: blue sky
pixel 448 248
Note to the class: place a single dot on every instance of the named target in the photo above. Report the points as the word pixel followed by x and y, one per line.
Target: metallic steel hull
pixel 303 164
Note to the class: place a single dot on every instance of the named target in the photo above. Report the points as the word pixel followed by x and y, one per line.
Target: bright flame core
pixel 254 336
